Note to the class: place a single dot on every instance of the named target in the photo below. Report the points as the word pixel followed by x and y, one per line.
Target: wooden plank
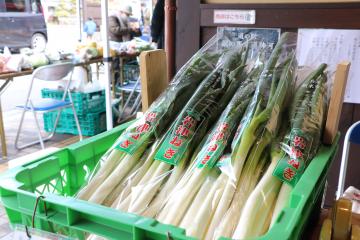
pixel 277 1
pixel 187 38
pixel 291 15
pixel 336 102
pixel 153 75
pixel 2 136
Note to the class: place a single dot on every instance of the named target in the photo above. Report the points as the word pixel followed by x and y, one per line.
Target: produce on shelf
pixel 205 156
pixel 214 146
pixel 188 129
pixel 307 119
pixel 307 115
pixel 256 131
pixel 134 141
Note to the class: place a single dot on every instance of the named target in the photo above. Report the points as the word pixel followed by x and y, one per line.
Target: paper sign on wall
pixel 332 46
pixel 234 16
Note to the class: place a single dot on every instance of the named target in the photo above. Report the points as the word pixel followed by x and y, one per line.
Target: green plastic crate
pixel 83 102
pixel 90 124
pixel 60 175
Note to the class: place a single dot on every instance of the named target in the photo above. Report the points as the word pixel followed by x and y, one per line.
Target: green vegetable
pixel 259 125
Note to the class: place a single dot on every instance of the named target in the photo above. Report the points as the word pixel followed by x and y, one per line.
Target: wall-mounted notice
pixel 332 46
pixel 265 39
pixel 234 16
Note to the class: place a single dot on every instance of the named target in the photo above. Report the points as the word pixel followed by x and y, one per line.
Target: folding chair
pixel 352 136
pixel 48 73
pixel 131 88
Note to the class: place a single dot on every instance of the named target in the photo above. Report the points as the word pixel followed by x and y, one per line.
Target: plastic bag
pixel 255 133
pixel 298 143
pixel 307 118
pixel 216 142
pixel 14 63
pixel 130 146
pixel 191 125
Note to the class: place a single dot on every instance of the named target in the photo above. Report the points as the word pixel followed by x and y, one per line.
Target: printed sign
pixel 173 148
pixel 332 46
pixel 265 39
pixel 137 134
pixel 290 168
pixel 234 16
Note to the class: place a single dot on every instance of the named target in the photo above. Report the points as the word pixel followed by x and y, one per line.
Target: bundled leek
pixel 215 144
pixel 188 130
pixel 307 118
pixel 256 215
pixel 133 142
pixel 267 107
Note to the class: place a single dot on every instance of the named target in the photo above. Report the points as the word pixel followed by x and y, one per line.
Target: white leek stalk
pixel 281 202
pixel 106 168
pixel 257 212
pixel 182 198
pixel 205 212
pixel 117 175
pixel 137 176
pixel 248 180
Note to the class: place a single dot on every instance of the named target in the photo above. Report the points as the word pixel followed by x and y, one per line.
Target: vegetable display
pixel 219 152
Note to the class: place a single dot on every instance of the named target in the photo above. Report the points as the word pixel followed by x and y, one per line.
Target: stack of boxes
pixel 90 109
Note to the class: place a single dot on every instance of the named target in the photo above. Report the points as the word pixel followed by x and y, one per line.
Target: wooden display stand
pixel 336 102
pixel 153 75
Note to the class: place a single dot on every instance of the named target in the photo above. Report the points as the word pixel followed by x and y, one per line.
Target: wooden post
pixel 2 136
pixel 336 102
pixel 153 75
pixel 170 22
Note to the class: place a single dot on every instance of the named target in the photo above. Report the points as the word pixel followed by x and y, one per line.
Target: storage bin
pixel 83 102
pixel 59 176
pixel 90 124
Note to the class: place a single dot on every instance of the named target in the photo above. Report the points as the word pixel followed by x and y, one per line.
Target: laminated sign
pixel 213 148
pixel 177 141
pixel 134 137
pixel 292 165
pixel 262 39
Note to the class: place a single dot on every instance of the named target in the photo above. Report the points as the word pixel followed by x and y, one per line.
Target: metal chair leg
pixel 136 105
pixel 75 116
pixel 77 123
pixel 39 129
pixel 343 167
pixel 128 99
pixel 19 130
pixel 41 139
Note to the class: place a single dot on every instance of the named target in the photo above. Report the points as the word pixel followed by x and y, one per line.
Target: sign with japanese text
pixel 215 146
pixel 176 142
pixel 234 16
pixel 136 135
pixel 290 167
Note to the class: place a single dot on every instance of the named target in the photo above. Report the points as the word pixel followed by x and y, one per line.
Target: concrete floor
pixel 29 133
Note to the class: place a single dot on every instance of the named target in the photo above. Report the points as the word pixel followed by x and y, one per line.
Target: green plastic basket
pixel 90 124
pixel 83 102
pixel 60 175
